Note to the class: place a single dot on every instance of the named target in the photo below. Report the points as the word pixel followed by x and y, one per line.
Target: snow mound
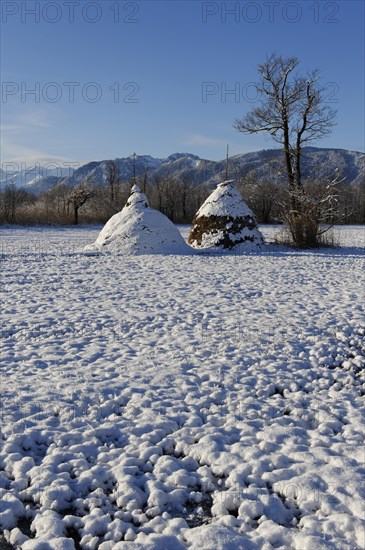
pixel 138 229
pixel 225 221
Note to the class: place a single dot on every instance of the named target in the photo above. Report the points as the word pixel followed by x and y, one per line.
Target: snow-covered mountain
pixel 37 178
pixel 316 162
pixel 265 164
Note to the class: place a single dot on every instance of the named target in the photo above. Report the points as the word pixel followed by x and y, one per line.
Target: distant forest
pixel 179 199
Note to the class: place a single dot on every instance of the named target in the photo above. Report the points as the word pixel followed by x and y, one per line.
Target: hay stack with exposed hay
pixel 225 222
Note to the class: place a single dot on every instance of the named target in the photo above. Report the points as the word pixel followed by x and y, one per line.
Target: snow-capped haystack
pixel 225 221
pixel 138 229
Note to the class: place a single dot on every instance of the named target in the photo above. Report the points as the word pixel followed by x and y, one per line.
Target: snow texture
pixel 225 222
pixel 181 402
pixel 138 229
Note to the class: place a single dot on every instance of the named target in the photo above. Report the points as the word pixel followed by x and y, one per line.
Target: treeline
pixel 87 203
pixel 178 199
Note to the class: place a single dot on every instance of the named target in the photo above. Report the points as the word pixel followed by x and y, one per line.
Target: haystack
pixel 138 229
pixel 225 221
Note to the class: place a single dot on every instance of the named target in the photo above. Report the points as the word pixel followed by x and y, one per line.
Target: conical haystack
pixel 138 229
pixel 225 221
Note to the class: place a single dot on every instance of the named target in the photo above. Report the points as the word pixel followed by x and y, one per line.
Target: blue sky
pixel 114 77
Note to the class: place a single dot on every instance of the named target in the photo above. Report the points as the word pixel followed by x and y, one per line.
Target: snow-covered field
pixel 171 402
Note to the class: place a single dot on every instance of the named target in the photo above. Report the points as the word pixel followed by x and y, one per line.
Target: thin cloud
pixel 27 122
pixel 21 128
pixel 9 127
pixel 198 140
pixel 13 153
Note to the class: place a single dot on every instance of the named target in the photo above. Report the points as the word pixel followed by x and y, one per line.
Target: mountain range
pixel 319 163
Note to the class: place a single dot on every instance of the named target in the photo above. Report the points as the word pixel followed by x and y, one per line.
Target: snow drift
pixel 225 221
pixel 138 229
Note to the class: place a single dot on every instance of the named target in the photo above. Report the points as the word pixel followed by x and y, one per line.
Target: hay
pixel 225 221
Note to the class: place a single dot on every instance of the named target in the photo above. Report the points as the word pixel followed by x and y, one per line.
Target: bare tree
pixel 261 196
pixel 112 178
pixel 186 189
pixel 53 203
pixel 178 199
pixel 293 112
pixel 319 211
pixel 11 201
pixel 164 196
pixel 351 202
pixel 79 196
pixel 144 182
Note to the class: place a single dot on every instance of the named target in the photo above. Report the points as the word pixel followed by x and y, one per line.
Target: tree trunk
pixel 288 161
pixel 13 208
pixel 298 172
